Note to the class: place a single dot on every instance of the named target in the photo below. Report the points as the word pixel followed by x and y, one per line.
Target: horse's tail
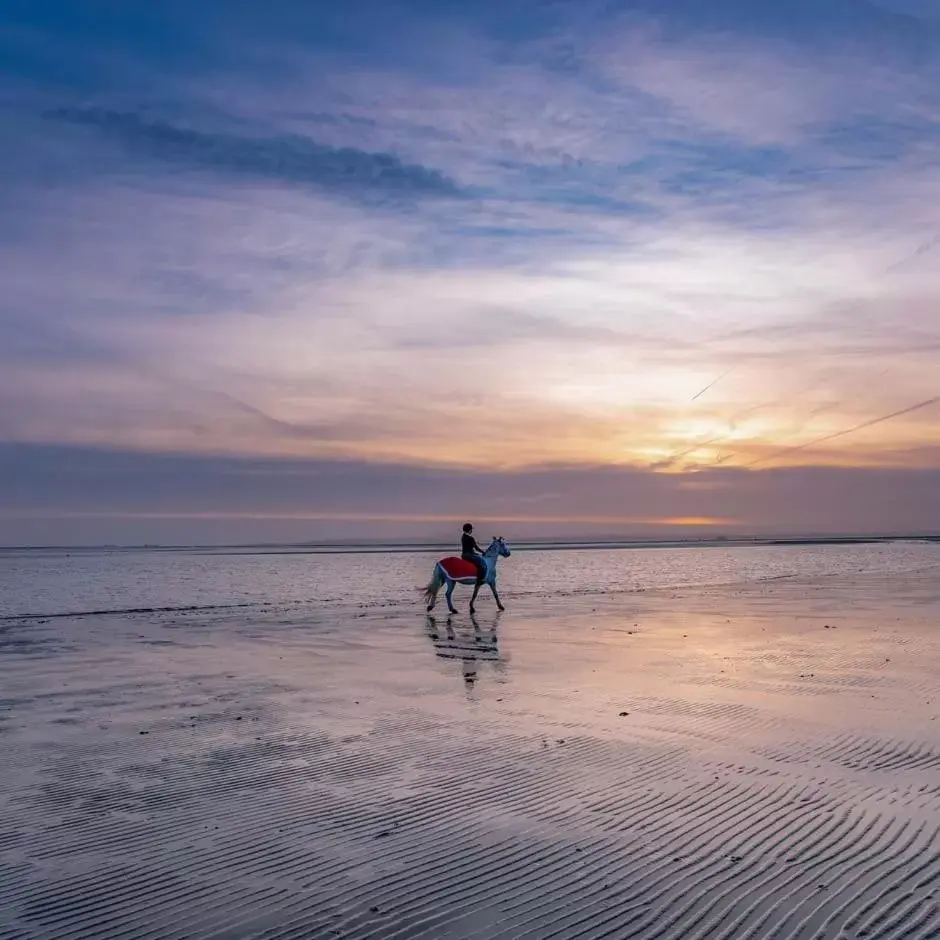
pixel 434 585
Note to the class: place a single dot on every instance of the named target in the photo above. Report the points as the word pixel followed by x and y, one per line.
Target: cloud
pixel 594 359
pixel 642 208
pixel 81 490
pixel 928 10
pixel 288 159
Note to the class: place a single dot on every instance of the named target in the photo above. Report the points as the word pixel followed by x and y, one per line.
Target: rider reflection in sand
pixel 470 551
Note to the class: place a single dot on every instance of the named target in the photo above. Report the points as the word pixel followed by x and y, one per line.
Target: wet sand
pixel 753 762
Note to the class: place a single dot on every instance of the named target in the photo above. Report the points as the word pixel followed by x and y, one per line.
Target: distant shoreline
pixel 336 548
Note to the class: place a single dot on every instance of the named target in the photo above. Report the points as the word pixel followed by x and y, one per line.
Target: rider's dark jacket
pixel 468 545
pixel 470 551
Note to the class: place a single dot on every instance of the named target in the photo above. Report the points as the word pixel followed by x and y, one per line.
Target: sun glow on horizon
pixel 340 516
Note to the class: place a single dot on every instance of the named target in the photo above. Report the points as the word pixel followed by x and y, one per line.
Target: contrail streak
pixel 711 384
pixel 852 430
pixel 684 452
pixel 672 458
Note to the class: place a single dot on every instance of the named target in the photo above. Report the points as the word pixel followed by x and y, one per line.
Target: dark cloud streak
pixel 43 481
pixel 285 158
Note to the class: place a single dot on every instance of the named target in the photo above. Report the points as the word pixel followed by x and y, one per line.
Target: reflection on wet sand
pixel 471 643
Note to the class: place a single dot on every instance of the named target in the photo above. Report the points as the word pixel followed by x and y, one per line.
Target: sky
pixel 307 270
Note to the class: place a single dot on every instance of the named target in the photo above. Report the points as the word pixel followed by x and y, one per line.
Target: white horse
pixel 454 570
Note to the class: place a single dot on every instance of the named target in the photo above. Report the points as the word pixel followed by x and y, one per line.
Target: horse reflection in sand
pixel 470 644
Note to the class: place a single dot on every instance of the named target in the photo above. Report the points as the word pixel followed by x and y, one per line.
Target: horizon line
pixel 329 546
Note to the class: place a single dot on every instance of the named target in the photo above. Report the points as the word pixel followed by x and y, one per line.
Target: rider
pixel 470 551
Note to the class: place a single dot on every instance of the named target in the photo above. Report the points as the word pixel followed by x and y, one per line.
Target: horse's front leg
pixel 476 590
pixel 499 603
pixel 449 596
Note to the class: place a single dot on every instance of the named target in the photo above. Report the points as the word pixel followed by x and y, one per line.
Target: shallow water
pixel 55 582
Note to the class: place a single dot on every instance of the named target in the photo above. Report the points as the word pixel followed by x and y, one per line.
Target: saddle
pixel 458 568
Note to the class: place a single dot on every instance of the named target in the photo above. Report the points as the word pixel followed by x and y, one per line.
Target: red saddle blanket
pixel 459 568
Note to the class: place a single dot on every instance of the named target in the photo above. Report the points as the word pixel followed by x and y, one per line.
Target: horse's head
pixel 502 549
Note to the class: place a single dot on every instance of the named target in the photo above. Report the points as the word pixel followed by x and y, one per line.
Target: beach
pixel 753 753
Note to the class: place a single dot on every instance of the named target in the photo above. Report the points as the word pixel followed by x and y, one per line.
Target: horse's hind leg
pixel 449 596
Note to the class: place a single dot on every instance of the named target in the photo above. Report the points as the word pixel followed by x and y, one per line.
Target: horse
pixel 454 570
